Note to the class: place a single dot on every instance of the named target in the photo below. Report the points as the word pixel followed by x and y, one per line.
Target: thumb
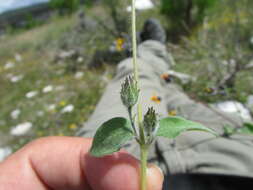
pixel 154 177
pixel 119 171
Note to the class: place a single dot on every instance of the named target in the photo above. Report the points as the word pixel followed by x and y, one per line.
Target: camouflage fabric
pixel 192 152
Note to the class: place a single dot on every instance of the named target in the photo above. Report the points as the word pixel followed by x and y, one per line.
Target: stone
pixel 184 78
pixel 142 5
pixel 21 129
pixel 234 107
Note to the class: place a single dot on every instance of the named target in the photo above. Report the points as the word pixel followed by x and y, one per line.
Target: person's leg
pixel 199 152
pixel 152 60
pixel 192 151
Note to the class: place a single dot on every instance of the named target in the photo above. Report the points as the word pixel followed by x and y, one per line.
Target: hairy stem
pixel 132 121
pixel 135 65
pixel 134 43
pixel 144 156
pixel 143 147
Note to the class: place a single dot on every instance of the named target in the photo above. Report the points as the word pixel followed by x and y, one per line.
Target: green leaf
pixel 247 129
pixel 111 136
pixel 228 130
pixel 171 127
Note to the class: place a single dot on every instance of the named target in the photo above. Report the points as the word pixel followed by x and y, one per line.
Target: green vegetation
pixel 120 18
pixel 184 15
pixel 212 56
pixel 33 67
pixel 65 6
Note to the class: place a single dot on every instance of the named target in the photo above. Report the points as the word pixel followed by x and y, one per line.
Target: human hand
pixel 59 163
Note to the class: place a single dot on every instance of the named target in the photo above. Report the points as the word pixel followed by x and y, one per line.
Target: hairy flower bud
pixel 129 92
pixel 150 124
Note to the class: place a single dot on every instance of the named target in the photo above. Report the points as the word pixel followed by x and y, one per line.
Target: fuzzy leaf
pixel 111 136
pixel 247 129
pixel 171 127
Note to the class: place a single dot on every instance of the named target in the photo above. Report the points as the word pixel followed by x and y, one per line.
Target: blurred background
pixel 57 56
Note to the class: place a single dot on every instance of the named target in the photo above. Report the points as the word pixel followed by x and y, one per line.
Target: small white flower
pixel 224 62
pixel 15 114
pixel 9 65
pixel 21 129
pixel 66 54
pixel 18 57
pixel 31 94
pixel 112 48
pixel 4 152
pixel 17 78
pixel 47 89
pixel 232 62
pixel 79 75
pixel 68 109
pixel 51 107
pixel 80 59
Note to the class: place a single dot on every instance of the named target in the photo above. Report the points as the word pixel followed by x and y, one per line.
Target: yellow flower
pixel 209 90
pixel 172 113
pixel 73 126
pixel 166 77
pixel 119 44
pixel 62 103
pixel 156 99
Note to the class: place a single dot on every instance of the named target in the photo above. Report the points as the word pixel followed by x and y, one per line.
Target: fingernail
pixel 153 167
pixel 155 176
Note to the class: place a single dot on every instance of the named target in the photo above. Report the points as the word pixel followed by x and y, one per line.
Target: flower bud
pixel 129 92
pixel 150 124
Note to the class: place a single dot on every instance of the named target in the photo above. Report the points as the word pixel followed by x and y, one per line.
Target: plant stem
pixel 141 140
pixel 134 44
pixel 135 65
pixel 144 155
pixel 132 121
